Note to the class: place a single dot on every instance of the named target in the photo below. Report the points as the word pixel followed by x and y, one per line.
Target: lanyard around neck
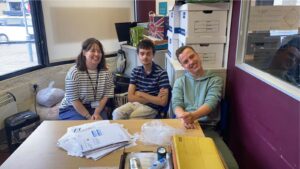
pixel 94 88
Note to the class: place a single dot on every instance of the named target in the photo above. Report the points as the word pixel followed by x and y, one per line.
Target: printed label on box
pixel 207 26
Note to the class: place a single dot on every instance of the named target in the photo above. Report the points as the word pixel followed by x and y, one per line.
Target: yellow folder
pixel 195 153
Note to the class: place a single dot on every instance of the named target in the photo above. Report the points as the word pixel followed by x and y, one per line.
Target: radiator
pixel 8 107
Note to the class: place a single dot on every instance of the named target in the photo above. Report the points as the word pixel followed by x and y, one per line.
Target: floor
pixel 4 151
pixel 4 154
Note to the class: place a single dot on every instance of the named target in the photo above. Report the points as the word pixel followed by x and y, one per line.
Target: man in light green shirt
pixel 195 95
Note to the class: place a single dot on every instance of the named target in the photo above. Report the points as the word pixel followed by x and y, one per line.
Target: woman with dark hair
pixel 88 85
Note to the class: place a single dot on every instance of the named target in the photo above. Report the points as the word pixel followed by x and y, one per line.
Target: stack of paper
pixel 94 140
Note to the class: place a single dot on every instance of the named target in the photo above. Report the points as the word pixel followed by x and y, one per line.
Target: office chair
pixel 163 112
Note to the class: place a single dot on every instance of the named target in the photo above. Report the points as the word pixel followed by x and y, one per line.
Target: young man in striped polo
pixel 148 89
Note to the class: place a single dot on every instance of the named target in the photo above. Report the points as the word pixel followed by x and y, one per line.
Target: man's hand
pixel 138 93
pixel 188 125
pixel 163 92
pixel 189 117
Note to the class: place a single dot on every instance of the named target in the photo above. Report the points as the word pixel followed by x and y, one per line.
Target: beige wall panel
pixel 81 23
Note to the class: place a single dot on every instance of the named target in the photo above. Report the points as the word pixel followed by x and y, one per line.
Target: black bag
pixel 121 83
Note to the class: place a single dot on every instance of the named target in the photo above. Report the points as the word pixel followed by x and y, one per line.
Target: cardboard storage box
pixel 173 44
pixel 183 40
pixel 212 54
pixel 204 6
pixel 203 21
pixel 174 20
pixel 174 69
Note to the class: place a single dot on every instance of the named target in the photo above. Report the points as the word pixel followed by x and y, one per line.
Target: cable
pixel 35 86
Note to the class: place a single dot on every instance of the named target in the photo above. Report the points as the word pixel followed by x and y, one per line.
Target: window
pixel 24 25
pixel 269 43
pixel 21 34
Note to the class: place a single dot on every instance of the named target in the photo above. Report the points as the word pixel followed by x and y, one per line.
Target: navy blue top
pixel 151 83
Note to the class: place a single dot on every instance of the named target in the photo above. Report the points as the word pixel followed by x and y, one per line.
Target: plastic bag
pixel 111 63
pixel 48 113
pixel 50 96
pixel 121 62
pixel 157 133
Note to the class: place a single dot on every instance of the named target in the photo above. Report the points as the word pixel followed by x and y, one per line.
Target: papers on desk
pixel 94 140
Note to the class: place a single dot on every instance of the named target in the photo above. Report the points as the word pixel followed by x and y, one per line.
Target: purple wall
pixel 142 8
pixel 264 122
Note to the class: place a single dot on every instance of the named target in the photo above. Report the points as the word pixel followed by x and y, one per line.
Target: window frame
pixel 39 34
pixel 40 42
pixel 280 85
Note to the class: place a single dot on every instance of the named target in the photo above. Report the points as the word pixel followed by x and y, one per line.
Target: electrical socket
pixel 35 86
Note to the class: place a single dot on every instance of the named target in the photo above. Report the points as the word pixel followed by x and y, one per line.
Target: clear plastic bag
pixel 50 96
pixel 157 133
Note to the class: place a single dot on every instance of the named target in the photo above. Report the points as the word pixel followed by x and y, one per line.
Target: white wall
pixel 68 23
pixel 21 86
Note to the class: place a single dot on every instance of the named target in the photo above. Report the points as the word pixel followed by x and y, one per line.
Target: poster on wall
pixel 163 8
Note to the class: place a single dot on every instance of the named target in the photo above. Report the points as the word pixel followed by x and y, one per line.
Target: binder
pixel 192 152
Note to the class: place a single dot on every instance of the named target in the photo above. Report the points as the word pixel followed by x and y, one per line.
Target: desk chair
pixel 163 112
pixel 217 133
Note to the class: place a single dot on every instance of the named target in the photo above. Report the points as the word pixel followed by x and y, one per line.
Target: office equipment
pixel 195 152
pixel 19 126
pixel 8 107
pixel 123 31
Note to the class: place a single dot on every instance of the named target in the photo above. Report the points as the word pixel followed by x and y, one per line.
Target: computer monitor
pixel 123 31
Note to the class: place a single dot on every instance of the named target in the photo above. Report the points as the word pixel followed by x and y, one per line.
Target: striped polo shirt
pixel 79 86
pixel 151 83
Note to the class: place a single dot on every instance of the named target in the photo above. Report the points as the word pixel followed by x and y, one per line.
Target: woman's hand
pixel 96 116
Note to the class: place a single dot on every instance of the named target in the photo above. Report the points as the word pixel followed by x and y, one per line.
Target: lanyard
pixel 94 88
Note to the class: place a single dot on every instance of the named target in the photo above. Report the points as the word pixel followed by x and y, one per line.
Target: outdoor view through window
pixel 273 41
pixel 17 44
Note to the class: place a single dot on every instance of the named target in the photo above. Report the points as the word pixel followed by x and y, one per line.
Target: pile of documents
pixel 94 140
